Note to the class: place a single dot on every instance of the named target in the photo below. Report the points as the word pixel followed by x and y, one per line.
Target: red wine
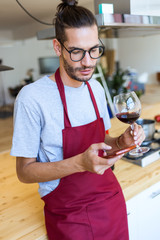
pixel 128 117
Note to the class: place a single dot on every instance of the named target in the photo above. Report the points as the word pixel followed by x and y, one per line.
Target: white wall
pixel 141 53
pixel 22 55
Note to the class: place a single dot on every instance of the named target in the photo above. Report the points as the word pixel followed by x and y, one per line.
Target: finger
pixel 104 153
pixel 100 146
pixel 106 163
pixel 109 161
pixel 132 129
pixel 141 139
pixel 140 135
pixel 101 171
pixel 136 128
pixel 136 133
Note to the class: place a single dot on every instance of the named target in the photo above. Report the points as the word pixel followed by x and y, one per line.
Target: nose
pixel 86 61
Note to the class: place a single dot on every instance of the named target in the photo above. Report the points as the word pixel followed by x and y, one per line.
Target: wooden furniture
pixel 21 209
pixel 133 178
pixel 141 187
pixel 6 131
pixel 4 112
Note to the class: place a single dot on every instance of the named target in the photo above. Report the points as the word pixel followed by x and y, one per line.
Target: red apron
pixel 85 206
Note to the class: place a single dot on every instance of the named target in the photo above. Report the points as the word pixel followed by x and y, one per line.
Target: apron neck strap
pixel 63 98
pixel 93 100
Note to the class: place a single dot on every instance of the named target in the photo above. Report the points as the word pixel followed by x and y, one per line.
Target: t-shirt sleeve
pixel 27 128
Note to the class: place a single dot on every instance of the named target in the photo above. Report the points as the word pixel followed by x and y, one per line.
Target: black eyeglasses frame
pixel 84 51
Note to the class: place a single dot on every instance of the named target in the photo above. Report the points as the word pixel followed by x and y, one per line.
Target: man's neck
pixel 67 80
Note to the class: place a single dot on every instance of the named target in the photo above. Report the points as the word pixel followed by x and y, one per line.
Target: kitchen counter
pixel 133 178
pixel 22 209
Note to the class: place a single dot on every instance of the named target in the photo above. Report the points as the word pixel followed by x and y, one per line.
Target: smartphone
pixel 119 152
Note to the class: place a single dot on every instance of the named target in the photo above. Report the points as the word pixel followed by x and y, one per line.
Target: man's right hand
pixel 93 163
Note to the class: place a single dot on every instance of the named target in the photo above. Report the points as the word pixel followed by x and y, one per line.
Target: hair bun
pixel 70 2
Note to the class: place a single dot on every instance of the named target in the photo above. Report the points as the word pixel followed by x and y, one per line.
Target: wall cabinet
pixel 144 214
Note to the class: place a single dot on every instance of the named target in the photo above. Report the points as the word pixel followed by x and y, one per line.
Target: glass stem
pixel 138 148
pixel 132 126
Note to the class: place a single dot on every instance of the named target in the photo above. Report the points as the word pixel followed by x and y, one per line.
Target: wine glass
pixel 128 109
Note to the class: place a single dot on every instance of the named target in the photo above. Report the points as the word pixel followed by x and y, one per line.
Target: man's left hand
pixel 133 136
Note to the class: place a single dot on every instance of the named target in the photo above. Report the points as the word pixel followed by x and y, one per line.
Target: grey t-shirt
pixel 39 120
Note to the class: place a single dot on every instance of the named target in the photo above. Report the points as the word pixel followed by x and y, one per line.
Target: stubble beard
pixel 71 72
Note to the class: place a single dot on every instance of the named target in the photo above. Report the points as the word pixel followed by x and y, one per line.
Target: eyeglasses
pixel 77 54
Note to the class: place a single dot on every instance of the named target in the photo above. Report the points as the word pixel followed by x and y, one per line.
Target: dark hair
pixel 69 15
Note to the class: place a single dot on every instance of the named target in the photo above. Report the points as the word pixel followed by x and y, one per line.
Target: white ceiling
pixel 13 17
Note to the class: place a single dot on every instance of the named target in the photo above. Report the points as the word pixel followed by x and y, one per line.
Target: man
pixel 60 142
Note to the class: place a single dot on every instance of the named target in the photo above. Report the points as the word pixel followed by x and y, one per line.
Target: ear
pixel 57 47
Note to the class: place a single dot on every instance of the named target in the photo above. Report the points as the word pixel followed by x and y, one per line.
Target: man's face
pixel 84 38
